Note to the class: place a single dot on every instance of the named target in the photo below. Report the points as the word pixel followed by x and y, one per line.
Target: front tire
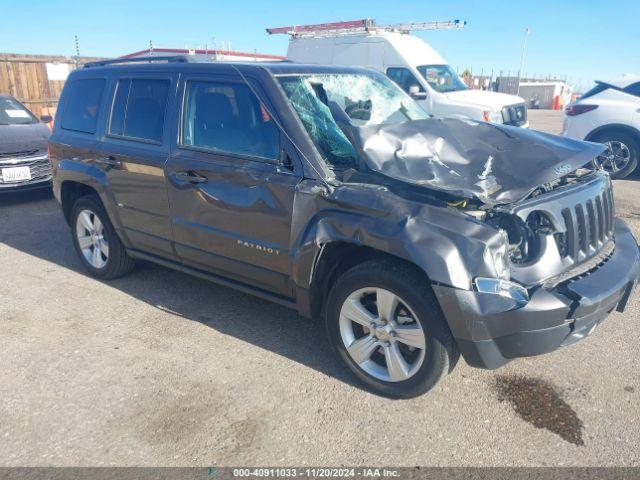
pixel 100 250
pixel 386 325
pixel 621 157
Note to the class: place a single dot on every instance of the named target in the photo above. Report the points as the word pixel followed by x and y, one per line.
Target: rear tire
pixel 100 250
pixel 399 354
pixel 621 157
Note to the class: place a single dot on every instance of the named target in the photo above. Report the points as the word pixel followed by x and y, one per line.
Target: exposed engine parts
pixel 523 236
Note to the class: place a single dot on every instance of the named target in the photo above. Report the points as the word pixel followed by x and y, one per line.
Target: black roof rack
pixel 115 61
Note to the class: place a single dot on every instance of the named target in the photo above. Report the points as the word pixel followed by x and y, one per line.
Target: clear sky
pixel 582 40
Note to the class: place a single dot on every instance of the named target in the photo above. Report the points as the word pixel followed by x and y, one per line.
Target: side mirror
pixel 46 118
pixel 414 92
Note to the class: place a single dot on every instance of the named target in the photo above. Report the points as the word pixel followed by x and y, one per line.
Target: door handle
pixel 190 177
pixel 109 160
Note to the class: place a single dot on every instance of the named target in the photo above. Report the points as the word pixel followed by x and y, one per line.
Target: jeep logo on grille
pixel 562 169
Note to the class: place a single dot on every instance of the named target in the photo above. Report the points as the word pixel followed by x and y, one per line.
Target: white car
pixel 412 64
pixel 609 113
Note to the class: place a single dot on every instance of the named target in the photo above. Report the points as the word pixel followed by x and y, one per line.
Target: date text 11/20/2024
pixel 314 472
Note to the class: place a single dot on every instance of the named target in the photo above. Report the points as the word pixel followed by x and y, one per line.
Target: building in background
pixel 546 95
pixel 203 54
pixel 37 80
pixel 506 84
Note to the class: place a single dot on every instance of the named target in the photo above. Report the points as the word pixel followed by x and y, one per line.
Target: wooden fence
pixel 36 80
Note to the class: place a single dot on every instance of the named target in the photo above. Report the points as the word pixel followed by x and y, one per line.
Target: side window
pixel 138 109
pixel 82 109
pixel 633 89
pixel 404 78
pixel 600 87
pixel 227 117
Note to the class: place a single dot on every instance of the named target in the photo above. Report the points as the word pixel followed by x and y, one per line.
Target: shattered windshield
pixel 442 78
pixel 361 99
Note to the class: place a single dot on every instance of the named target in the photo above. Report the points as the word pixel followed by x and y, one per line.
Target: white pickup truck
pixel 410 62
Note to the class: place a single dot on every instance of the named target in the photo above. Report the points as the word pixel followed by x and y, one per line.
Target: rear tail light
pixel 573 110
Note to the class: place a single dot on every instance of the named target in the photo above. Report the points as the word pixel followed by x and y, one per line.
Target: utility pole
pixel 527 31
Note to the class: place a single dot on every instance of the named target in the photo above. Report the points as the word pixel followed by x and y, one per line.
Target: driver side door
pixel 231 201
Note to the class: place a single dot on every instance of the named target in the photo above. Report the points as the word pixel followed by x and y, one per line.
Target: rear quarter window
pixel 600 87
pixel 83 105
pixel 633 89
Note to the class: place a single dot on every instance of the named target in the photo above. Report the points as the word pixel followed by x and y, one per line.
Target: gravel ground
pixel 159 368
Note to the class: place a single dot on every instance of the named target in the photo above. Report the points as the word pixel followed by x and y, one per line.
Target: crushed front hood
pixel 494 163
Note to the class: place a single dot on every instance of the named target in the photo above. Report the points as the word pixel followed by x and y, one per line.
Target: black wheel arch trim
pixel 614 127
pixel 80 173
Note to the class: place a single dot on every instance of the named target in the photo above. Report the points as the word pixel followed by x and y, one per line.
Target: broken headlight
pixel 504 288
pixel 496 256
pixel 524 238
pixel 500 257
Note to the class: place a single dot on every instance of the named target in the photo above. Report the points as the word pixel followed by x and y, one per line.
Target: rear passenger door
pixel 231 202
pixel 133 152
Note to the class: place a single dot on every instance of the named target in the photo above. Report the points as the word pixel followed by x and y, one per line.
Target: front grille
pixel 583 268
pixel 40 168
pixel 589 225
pixel 515 115
pixel 582 216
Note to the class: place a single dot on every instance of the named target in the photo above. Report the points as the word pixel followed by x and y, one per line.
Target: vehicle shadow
pixel 26 196
pixel 635 175
pixel 34 224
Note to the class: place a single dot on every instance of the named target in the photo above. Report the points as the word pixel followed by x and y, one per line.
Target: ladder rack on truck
pixel 366 25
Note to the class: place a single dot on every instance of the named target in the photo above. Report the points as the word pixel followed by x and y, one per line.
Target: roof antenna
pixel 150 47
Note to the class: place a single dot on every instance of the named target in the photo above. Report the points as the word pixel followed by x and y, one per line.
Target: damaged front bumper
pixel 490 330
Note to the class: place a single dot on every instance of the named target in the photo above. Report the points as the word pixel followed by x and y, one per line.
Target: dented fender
pixel 446 244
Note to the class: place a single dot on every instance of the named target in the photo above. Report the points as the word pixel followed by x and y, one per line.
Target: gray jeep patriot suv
pixel 330 191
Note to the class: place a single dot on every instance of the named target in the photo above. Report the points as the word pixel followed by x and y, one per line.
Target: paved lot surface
pixel 546 120
pixel 163 369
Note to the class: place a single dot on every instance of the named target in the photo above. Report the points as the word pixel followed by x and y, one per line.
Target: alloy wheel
pixel 615 158
pixel 91 239
pixel 382 335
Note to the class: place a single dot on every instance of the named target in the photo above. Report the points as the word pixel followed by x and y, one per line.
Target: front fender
pixel 446 244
